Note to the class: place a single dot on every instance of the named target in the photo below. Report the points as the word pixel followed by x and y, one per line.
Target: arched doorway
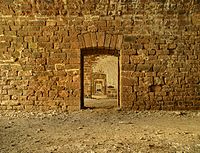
pixel 100 78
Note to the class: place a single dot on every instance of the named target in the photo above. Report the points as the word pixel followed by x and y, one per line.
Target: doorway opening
pixel 100 78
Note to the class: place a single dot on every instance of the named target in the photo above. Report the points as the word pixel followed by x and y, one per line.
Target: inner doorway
pixel 100 78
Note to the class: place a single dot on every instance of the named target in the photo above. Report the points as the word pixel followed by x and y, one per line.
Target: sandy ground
pixel 100 103
pixel 100 131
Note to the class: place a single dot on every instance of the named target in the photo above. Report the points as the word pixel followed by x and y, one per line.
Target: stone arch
pixel 104 44
pixel 100 40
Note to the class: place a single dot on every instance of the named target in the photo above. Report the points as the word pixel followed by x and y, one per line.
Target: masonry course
pixel 41 43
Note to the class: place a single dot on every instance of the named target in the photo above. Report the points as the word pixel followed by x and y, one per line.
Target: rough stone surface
pixel 41 44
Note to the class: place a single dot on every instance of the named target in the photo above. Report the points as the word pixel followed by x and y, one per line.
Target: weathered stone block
pixel 51 23
pixel 148 81
pixel 139 59
pixel 108 40
pixel 25 73
pixel 152 52
pixel 4 45
pixel 101 39
pixel 129 81
pixel 88 40
pixel 196 19
pixel 94 39
pixel 130 38
pixel 37 23
pixel 127 89
pixel 128 67
pixel 125 59
pixel 128 100
pixel 144 67
pixel 10 103
pixel 81 41
pixel 158 81
pixel 113 42
pixel 119 42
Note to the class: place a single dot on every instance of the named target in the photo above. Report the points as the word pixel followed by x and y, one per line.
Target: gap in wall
pixel 100 76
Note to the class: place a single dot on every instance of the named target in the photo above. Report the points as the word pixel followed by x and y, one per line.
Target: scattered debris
pixel 99 131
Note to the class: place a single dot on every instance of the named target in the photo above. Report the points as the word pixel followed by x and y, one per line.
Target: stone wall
pixel 41 43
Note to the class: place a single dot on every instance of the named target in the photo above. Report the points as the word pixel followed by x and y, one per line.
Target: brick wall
pixel 41 43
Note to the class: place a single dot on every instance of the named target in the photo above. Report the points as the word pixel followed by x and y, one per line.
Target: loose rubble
pixel 100 131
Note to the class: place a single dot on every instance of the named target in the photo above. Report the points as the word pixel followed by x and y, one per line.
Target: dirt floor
pixel 100 131
pixel 106 103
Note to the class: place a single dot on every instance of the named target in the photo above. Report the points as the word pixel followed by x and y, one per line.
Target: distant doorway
pixel 100 78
